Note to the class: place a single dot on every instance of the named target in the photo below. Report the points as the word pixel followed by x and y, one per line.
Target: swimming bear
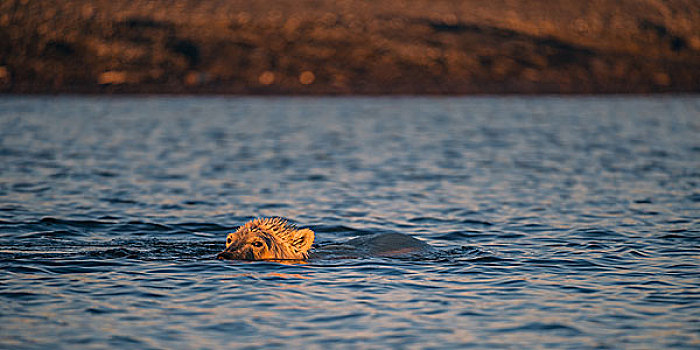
pixel 276 239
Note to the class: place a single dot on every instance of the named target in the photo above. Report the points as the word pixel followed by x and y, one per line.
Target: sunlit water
pixel 558 222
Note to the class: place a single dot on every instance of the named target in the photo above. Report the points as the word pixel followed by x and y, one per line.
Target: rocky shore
pixel 349 46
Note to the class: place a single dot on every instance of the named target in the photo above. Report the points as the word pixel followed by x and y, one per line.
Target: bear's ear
pixel 302 240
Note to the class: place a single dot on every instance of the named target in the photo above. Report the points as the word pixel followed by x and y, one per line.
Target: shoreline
pixel 349 48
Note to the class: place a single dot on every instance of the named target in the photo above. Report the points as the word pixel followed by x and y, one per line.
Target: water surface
pixel 560 222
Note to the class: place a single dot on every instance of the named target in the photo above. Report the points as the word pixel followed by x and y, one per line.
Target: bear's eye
pixel 228 240
pixel 257 244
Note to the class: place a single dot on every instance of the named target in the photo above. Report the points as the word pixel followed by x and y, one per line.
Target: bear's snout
pixel 224 256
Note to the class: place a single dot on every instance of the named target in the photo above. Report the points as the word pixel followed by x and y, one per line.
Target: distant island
pixel 341 47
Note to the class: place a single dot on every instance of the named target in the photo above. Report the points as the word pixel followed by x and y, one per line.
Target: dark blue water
pixel 569 223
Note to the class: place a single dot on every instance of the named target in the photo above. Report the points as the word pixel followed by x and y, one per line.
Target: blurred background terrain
pixel 349 46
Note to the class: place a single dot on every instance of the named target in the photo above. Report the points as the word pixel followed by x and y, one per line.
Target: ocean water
pixel 559 222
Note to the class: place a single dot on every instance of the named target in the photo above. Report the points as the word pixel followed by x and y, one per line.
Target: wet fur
pixel 268 239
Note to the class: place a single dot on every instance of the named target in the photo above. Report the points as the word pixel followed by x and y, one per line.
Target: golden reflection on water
pixel 269 274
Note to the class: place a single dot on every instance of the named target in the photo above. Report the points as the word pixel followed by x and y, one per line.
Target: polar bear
pixel 277 239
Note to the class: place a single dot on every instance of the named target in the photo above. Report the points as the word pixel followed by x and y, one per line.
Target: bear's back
pixel 394 245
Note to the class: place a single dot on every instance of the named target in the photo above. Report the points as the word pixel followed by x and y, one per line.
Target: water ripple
pixel 556 222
